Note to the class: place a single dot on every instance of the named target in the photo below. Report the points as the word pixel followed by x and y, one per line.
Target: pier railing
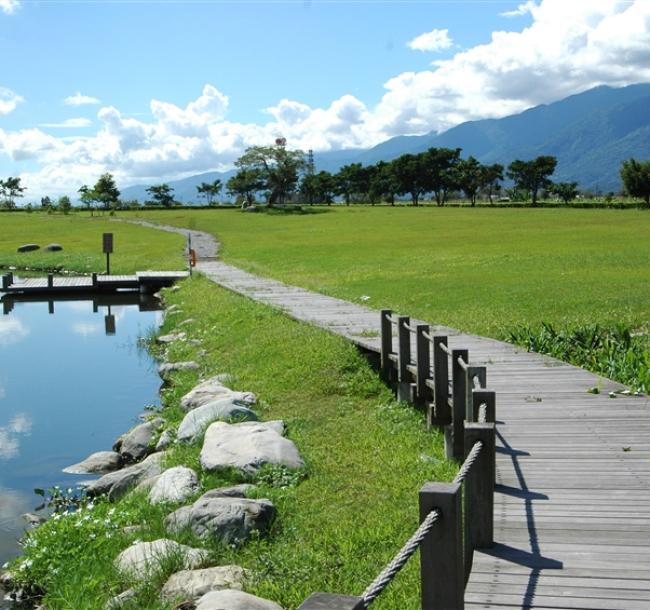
pixel 455 518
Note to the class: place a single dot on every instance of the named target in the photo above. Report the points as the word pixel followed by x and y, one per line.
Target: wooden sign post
pixel 107 243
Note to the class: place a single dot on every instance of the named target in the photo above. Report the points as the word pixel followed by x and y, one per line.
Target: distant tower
pixel 311 168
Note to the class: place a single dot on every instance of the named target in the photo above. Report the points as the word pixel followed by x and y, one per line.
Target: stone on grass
pixel 165 440
pixel 144 558
pixel 247 447
pixel 116 484
pixel 171 338
pixel 231 599
pixel 174 485
pixel 190 584
pixel 33 520
pixel 225 519
pixel 213 389
pixel 97 463
pixel 197 420
pixel 123 600
pixel 137 442
pixel 186 322
pixel 235 491
pixel 171 367
pixel 27 248
pixel 53 248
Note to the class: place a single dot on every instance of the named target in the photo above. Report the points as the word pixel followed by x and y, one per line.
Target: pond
pixel 73 377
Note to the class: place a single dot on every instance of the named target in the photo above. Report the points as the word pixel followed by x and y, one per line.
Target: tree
pixel 64 204
pixel 492 176
pixel 470 177
pixel 636 178
pixel 10 190
pixel 309 188
pixel 325 185
pixel 441 175
pixel 105 191
pixel 86 196
pixel 46 203
pixel 350 181
pixel 209 190
pixel 384 183
pixel 245 183
pixel 410 176
pixel 566 191
pixel 276 166
pixel 161 194
pixel 532 175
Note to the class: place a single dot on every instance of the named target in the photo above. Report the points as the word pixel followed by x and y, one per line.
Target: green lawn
pixel 481 270
pixel 136 248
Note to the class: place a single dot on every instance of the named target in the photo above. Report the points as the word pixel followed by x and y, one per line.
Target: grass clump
pixel 616 351
pixel 340 520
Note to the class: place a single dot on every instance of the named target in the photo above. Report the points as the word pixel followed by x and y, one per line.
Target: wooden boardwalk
pixel 572 503
pixel 143 280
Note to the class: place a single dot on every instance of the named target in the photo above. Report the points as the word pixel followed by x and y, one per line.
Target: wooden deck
pixel 572 504
pixel 144 280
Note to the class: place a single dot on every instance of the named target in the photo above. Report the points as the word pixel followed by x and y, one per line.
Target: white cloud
pixel 567 48
pixel 521 10
pixel 78 99
pixel 9 6
pixel 86 329
pixel 20 424
pixel 8 99
pixel 69 124
pixel 435 40
pixel 12 331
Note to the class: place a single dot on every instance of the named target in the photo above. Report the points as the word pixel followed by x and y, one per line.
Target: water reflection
pixel 70 384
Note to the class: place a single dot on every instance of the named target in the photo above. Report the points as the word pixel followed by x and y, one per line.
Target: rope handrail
pixel 482 413
pixel 376 587
pixel 385 577
pixel 428 336
pixel 464 365
pixel 444 348
pixel 476 382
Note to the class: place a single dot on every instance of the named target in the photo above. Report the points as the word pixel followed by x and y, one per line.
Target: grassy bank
pixel 338 522
pixel 136 248
pixel 481 270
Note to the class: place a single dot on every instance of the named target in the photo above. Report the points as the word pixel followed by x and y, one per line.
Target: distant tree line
pixel 278 176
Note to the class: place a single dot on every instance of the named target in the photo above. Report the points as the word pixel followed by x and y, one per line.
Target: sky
pixel 153 91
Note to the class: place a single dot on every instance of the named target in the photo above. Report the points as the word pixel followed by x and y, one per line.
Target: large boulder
pixel 213 389
pixel 226 519
pixel 53 248
pixel 232 599
pixel 190 584
pixel 174 485
pixel 197 420
pixel 27 248
pixel 138 442
pixel 116 484
pixel 101 462
pixel 247 447
pixel 143 558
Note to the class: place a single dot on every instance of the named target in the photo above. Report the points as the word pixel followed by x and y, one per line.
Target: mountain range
pixel 590 133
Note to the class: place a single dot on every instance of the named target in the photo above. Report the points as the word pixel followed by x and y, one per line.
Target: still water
pixel 71 382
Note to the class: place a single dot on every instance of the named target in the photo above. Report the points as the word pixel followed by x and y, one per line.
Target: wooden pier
pixel 143 281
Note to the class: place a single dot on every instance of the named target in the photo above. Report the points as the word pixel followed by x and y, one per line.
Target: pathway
pixel 572 503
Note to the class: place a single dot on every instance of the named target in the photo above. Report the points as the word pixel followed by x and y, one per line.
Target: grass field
pixel 136 248
pixel 481 270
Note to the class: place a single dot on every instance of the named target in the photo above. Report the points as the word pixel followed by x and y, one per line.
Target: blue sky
pixel 168 89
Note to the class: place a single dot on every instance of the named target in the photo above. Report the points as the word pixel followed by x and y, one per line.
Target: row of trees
pixel 282 175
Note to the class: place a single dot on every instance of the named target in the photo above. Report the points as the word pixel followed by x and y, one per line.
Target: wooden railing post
pixel 441 382
pixel 404 359
pixel 386 329
pixel 473 371
pixel 50 280
pixel 454 432
pixel 479 489
pixel 487 398
pixel 423 361
pixel 325 601
pixel 441 553
pixel 94 277
pixel 5 281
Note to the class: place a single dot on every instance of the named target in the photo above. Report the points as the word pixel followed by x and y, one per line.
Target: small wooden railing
pixel 455 518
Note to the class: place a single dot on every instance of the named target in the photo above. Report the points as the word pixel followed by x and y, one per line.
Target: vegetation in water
pixel 617 352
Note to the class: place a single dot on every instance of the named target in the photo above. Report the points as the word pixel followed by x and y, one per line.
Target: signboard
pixel 108 243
